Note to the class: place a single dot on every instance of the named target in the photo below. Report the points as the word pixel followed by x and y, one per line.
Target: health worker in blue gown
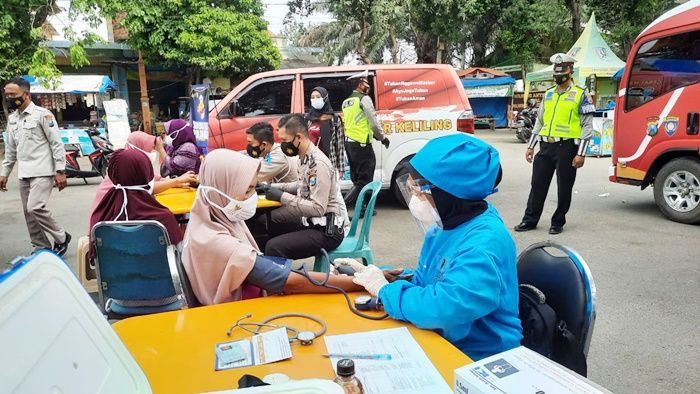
pixel 465 284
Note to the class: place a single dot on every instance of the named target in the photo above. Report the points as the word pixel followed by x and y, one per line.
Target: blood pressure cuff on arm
pixel 270 273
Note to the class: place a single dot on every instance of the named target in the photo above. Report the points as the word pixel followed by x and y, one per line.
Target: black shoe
pixel 524 227
pixel 554 230
pixel 61 249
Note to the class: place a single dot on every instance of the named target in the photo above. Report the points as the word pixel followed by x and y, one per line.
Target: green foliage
pixel 216 35
pixel 532 31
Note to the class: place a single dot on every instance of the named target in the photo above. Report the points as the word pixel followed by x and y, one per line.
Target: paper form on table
pixel 408 371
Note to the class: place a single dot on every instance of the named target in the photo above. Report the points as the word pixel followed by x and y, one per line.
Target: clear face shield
pixel 418 196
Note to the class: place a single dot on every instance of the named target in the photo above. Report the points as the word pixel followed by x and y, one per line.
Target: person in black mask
pixel 563 128
pixel 275 166
pixel 34 142
pixel 327 128
pixel 311 214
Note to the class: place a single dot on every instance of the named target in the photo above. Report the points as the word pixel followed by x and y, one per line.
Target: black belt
pixel 558 139
pixel 356 142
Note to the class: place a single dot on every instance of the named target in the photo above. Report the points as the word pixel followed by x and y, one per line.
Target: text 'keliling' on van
pixel 657 114
pixel 414 103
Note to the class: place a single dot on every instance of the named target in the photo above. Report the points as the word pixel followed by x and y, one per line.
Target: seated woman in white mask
pixel 152 147
pixel 131 195
pixel 221 258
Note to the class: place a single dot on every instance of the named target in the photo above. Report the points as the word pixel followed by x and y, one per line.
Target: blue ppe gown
pixel 465 287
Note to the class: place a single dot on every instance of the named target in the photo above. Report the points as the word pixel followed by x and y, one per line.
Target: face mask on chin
pixel 235 211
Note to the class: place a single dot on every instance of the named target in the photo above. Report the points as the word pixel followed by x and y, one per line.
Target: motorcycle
pixel 525 121
pixel 98 158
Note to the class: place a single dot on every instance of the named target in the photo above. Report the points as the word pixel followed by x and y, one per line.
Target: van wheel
pixel 677 190
pixel 403 170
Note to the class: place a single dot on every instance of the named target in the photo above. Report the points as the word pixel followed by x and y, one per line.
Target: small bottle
pixel 346 377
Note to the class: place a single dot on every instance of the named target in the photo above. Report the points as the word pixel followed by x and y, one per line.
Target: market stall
pixel 77 103
pixel 490 93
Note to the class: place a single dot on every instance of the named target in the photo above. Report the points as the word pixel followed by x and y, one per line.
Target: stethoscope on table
pixel 304 337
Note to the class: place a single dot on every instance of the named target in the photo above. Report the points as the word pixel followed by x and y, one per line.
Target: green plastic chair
pixel 355 245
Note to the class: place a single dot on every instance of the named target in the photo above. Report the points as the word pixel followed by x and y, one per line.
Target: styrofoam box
pixel 54 339
pixel 521 371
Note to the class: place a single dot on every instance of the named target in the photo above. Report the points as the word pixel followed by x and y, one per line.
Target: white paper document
pixel 408 371
pixel 268 347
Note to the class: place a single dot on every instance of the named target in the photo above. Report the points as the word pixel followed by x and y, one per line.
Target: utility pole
pixel 145 107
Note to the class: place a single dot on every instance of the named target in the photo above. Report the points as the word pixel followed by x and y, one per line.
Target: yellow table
pixel 180 200
pixel 176 349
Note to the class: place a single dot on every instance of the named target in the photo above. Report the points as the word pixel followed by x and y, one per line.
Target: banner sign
pixel 200 115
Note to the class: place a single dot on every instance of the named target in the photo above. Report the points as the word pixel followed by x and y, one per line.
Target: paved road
pixel 646 338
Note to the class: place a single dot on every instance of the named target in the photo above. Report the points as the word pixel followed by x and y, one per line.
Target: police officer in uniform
pixel 360 126
pixel 310 217
pixel 275 166
pixel 563 128
pixel 33 140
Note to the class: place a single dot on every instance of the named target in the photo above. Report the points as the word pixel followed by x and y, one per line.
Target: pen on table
pixel 359 356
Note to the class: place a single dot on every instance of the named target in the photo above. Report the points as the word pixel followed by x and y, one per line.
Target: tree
pixel 219 35
pixel 531 31
pixel 624 20
pixel 575 7
pixel 22 47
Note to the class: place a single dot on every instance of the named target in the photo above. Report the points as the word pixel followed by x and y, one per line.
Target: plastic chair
pixel 354 244
pixel 567 283
pixel 137 268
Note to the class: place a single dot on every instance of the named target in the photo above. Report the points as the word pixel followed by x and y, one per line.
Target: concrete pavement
pixel 646 338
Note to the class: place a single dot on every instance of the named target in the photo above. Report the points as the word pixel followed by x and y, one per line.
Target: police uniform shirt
pixel 276 167
pixel 586 110
pixel 34 141
pixel 313 194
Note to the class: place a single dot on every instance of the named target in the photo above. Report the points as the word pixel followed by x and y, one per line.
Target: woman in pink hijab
pixel 221 258
pixel 152 147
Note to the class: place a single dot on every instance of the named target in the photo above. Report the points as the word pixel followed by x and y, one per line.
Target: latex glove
pixel 372 279
pixel 385 142
pixel 262 188
pixel 273 194
pixel 352 263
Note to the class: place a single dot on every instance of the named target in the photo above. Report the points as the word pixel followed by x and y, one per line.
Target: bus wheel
pixel 677 190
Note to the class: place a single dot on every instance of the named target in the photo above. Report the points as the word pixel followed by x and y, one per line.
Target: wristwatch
pixel 60 172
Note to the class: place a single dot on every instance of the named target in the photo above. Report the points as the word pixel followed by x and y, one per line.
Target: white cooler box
pixel 54 339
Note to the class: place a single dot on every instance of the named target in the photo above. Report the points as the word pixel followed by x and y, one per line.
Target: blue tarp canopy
pixel 491 107
pixel 618 74
pixel 474 82
pixel 76 84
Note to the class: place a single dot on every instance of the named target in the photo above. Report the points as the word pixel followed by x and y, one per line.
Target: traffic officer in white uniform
pixel 563 128
pixel 311 214
pixel 34 142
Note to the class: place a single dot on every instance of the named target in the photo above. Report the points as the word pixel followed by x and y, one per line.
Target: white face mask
pixel 317 103
pixel 170 137
pixel 153 157
pixel 424 213
pixel 235 210
pixel 145 188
